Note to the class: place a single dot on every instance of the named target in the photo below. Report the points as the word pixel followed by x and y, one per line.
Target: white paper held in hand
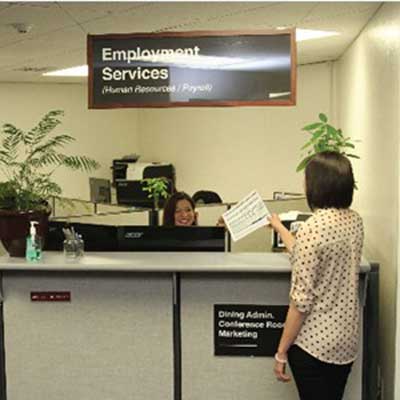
pixel 246 216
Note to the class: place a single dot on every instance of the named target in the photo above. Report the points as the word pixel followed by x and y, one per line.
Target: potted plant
pixel 158 189
pixel 28 160
pixel 324 137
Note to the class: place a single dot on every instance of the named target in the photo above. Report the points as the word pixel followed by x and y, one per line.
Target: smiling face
pixel 184 213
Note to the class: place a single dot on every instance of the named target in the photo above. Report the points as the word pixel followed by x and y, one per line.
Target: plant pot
pixel 154 217
pixel 14 229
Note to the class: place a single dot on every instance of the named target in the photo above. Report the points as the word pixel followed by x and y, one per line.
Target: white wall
pixel 100 134
pixel 368 106
pixel 234 150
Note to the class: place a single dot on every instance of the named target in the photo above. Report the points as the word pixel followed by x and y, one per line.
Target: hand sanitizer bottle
pixel 33 244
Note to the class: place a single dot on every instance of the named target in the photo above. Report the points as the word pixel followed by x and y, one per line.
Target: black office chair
pixel 206 197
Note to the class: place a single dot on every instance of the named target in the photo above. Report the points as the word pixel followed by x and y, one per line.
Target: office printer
pixel 132 170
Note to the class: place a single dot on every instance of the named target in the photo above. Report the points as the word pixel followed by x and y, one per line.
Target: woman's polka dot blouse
pixel 326 261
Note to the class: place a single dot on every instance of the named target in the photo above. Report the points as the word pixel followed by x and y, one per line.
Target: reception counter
pixel 117 326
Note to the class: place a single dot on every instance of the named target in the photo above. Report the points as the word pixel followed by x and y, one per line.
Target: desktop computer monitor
pixel 171 238
pixel 96 237
pixel 100 190
pixel 139 238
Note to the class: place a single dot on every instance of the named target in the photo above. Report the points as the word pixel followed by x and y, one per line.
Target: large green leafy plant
pixel 28 160
pixel 324 137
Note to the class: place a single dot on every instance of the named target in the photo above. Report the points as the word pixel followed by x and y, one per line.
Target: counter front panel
pixel 112 341
pixel 139 326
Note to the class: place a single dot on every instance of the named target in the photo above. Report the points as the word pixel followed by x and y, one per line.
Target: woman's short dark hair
pixel 329 181
pixel 170 207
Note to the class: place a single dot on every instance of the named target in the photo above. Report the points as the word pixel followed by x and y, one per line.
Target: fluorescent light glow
pixel 206 62
pixel 81 70
pixel 227 63
pixel 259 64
pixel 281 94
pixel 308 34
pixel 199 62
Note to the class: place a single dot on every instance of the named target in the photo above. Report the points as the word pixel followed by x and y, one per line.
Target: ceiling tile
pixel 58 35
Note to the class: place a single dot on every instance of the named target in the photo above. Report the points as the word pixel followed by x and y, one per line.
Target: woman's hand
pixel 287 238
pixel 275 222
pixel 280 368
pixel 221 222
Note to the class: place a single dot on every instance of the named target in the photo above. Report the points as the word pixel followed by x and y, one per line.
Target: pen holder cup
pixel 73 248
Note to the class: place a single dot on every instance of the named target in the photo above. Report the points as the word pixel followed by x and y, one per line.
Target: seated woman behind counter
pixel 179 210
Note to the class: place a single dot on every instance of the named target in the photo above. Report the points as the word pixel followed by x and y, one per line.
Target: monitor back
pixel 139 238
pixel 100 190
pixel 171 238
pixel 96 237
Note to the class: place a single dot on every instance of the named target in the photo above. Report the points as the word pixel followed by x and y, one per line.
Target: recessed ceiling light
pixel 81 70
pixel 301 35
pixel 308 34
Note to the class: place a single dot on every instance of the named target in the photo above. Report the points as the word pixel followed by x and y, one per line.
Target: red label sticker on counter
pixel 50 296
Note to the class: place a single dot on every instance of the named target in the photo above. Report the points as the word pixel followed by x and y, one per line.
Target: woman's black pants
pixel 317 380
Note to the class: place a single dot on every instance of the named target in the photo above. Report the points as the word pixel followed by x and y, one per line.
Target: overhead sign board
pixel 177 69
pixel 248 329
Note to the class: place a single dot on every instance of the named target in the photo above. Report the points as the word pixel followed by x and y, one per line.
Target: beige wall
pixel 235 150
pixel 368 106
pixel 229 150
pixel 101 134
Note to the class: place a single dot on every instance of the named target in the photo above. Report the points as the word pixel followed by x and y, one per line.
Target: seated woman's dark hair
pixel 329 181
pixel 170 207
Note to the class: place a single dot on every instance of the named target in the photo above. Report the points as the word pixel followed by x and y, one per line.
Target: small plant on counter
pixel 157 188
pixel 28 161
pixel 324 137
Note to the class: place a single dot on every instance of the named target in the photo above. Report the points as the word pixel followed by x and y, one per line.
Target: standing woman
pixel 179 210
pixel 320 337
